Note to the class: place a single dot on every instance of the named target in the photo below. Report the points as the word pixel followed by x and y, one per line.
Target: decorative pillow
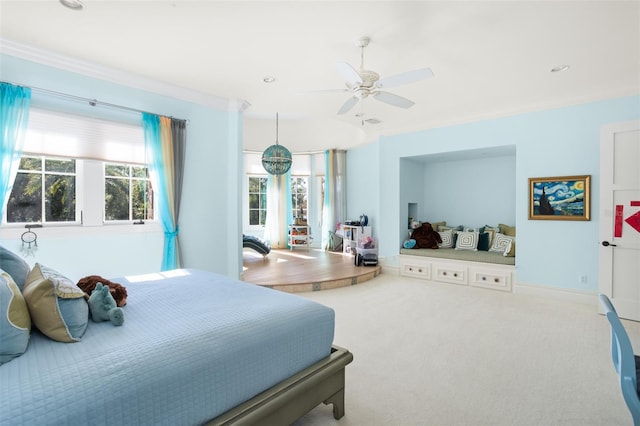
pixel 409 244
pixel 451 228
pixel 484 241
pixel 500 243
pixel 467 241
pixel 436 225
pixel 15 323
pixel 510 251
pixel 57 306
pixel 507 230
pixel 447 239
pixel 15 266
pixel 492 230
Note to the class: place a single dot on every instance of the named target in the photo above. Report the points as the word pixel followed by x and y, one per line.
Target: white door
pixel 619 275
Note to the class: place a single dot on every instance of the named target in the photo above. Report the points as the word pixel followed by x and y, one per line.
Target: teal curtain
pixel 335 198
pixel 14 115
pixel 165 140
pixel 279 210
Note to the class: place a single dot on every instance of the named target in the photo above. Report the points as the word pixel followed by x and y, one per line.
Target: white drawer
pixel 416 270
pixel 498 280
pixel 450 273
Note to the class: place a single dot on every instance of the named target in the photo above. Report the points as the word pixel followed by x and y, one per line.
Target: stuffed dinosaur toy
pixel 103 307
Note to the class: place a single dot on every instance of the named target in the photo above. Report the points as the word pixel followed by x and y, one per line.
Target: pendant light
pixel 276 159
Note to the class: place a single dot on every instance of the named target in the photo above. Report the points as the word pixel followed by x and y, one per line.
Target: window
pixel 44 191
pixel 127 193
pixel 299 197
pixel 80 170
pixel 257 200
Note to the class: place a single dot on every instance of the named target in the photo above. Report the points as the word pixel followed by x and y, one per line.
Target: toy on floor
pixel 103 306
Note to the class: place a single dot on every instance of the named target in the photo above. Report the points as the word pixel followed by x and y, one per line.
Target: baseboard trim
pixel 568 295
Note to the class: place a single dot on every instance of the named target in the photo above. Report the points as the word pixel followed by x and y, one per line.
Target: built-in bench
pixel 474 268
pixel 467 255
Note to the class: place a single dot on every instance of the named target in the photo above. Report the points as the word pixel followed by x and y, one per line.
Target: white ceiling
pixel 490 59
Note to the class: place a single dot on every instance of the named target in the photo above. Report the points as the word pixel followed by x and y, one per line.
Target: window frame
pixel 130 180
pixel 248 195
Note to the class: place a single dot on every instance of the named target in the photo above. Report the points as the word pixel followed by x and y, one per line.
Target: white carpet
pixel 428 353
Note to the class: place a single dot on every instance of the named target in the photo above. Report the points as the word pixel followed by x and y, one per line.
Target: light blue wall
pixel 210 216
pixel 363 181
pixel 563 141
pixel 486 186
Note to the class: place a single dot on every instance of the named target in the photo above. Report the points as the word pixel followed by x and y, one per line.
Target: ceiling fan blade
pixel 349 73
pixel 395 100
pixel 307 92
pixel 346 107
pixel 405 78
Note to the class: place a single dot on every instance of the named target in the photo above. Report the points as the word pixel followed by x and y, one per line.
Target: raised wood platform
pixel 299 270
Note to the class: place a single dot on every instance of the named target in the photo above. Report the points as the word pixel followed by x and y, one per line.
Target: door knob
pixel 607 243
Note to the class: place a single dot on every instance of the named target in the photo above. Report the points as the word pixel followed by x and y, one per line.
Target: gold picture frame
pixel 560 198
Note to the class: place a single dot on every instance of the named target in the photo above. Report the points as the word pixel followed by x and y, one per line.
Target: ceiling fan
pixel 366 83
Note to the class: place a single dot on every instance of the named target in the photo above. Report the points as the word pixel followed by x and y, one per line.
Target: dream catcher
pixel 29 241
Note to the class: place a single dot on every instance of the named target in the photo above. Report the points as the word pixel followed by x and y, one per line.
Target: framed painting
pixel 560 198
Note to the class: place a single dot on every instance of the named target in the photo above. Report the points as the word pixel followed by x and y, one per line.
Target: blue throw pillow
pixel 15 322
pixel 15 266
pixel 484 241
pixel 409 244
pixel 56 304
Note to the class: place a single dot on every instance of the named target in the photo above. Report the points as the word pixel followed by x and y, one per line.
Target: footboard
pixel 291 399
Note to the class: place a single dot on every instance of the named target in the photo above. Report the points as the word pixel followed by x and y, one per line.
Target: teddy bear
pixel 103 306
pixel 118 291
pixel 426 237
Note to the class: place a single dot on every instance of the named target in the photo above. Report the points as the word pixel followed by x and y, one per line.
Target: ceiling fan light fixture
pixel 560 68
pixel 72 4
pixel 276 159
pixel 269 79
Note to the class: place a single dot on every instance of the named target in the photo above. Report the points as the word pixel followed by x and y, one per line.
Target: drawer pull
pixel 419 270
pixel 484 278
pixel 496 280
pixel 455 274
pixel 444 273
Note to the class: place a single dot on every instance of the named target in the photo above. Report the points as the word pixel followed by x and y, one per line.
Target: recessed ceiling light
pixel 73 4
pixel 269 79
pixel 560 68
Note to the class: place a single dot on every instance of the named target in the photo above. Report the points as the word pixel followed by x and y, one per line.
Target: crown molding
pixel 112 75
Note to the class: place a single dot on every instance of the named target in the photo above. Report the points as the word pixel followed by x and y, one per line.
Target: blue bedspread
pixel 194 344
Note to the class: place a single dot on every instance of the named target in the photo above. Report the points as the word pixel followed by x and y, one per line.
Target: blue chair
pixel 625 362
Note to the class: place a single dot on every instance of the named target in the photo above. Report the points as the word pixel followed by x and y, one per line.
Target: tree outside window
pixel 44 191
pixel 257 200
pixel 128 194
pixel 299 197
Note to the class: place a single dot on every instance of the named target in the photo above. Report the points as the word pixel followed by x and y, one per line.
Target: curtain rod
pixel 92 102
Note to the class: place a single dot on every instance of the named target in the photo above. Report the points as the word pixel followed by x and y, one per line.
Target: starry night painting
pixel 559 198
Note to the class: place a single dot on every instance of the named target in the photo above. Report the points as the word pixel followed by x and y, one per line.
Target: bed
pixel 195 348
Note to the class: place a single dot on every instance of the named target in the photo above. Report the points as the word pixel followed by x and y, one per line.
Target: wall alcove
pixel 470 188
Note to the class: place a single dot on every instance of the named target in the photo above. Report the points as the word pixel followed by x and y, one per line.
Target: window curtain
pixel 279 210
pixel 165 145
pixel 14 115
pixel 335 198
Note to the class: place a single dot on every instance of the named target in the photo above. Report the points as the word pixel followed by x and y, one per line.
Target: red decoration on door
pixel 617 228
pixel 634 221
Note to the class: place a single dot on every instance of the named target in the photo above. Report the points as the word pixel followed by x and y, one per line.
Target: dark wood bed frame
pixel 292 398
